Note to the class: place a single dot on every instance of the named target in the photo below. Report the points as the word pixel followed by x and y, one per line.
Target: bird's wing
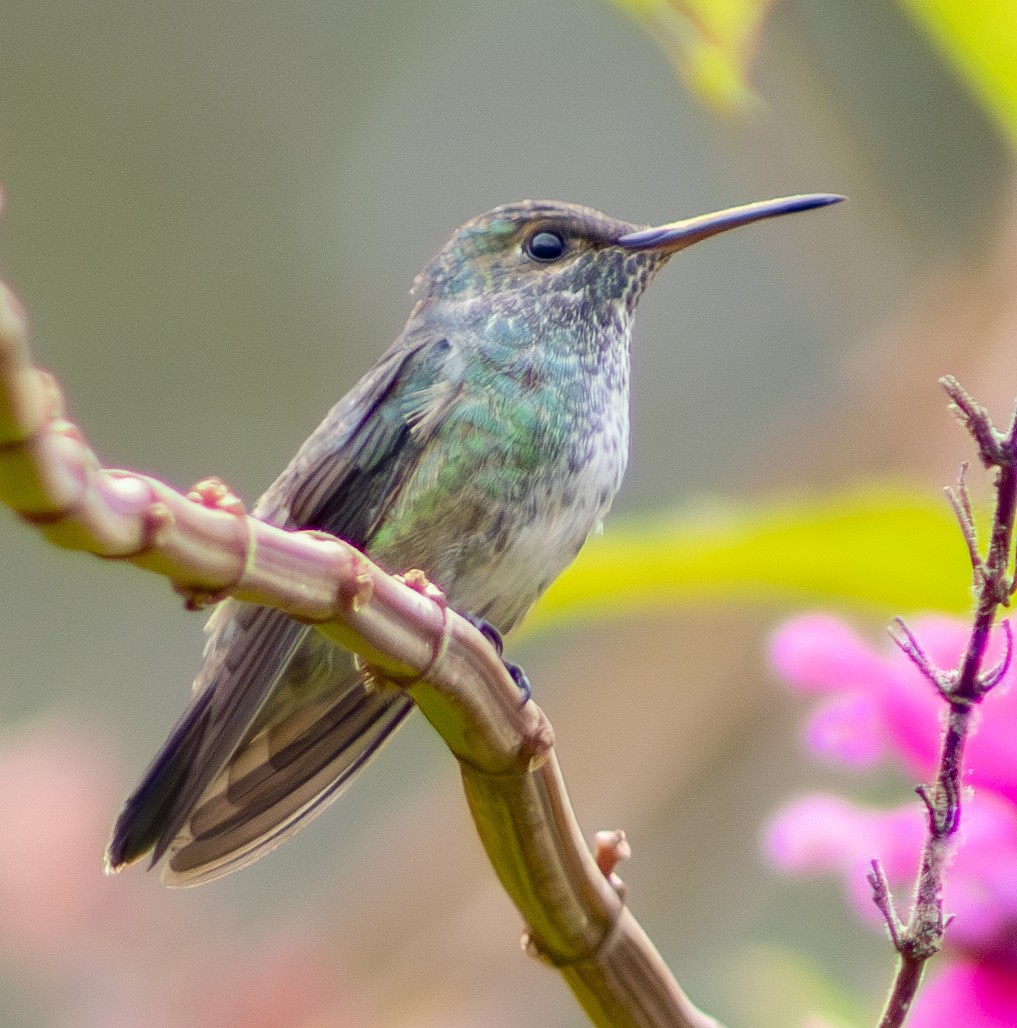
pixel 275 708
pixel 296 760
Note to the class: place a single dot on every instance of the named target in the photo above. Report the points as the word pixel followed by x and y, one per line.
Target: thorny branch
pixel 962 688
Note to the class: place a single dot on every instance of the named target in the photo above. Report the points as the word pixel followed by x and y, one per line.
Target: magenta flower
pixel 976 994
pixel 876 706
pixel 877 703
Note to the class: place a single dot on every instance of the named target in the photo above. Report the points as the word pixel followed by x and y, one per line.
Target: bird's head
pixel 545 247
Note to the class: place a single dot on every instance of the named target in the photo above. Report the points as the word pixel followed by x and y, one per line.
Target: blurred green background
pixel 214 214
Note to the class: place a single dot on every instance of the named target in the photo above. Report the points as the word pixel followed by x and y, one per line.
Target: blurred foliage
pixel 779 987
pixel 710 43
pixel 888 549
pixel 980 42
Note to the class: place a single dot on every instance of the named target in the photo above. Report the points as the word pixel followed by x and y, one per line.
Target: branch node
pixel 610 849
pixel 943 681
pixel 159 522
pixel 942 807
pixel 991 443
pixel 215 494
pixel 988 680
pixel 362 594
pixel 532 948
pixel 420 583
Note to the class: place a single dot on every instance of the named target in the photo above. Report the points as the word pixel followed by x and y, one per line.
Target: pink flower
pixel 824 834
pixel 878 703
pixel 876 706
pixel 92 950
pixel 975 995
pixel 56 793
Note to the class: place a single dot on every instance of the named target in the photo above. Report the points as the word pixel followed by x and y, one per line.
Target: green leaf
pixel 979 38
pixel 710 43
pixel 772 987
pixel 886 549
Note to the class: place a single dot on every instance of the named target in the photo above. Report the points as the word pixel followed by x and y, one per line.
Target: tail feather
pixel 243 816
pixel 249 655
pixel 140 823
pixel 279 724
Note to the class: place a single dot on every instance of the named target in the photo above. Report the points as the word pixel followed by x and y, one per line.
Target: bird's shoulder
pixel 396 402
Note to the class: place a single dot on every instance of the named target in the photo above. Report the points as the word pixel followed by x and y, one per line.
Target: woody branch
pixel 209 548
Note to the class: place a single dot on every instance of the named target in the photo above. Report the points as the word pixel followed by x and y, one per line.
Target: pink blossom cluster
pixel 874 706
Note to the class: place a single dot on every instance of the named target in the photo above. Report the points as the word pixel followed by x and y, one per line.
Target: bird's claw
pixel 518 675
pixel 493 636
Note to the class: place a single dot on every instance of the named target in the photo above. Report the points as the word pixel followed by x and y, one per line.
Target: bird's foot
pixel 493 636
pixel 518 675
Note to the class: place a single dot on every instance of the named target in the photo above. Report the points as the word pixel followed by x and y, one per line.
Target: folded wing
pixel 281 720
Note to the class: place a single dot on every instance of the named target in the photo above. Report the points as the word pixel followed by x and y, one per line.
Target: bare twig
pixel 961 688
pixel 883 898
pixel 960 500
pixel 400 628
pixel 909 645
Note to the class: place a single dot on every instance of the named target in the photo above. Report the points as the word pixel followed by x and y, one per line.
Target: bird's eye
pixel 545 246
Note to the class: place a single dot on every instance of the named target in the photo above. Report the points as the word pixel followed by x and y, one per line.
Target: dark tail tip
pixel 151 816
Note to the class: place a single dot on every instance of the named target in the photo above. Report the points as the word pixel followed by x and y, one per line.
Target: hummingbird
pixel 483 448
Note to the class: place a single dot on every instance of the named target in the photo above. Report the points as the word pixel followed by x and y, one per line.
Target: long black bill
pixel 679 234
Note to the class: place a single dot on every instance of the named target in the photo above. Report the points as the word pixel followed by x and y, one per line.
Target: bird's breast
pixel 504 495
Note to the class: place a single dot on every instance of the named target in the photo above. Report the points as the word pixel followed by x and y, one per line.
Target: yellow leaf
pixel 889 550
pixel 710 43
pixel 979 38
